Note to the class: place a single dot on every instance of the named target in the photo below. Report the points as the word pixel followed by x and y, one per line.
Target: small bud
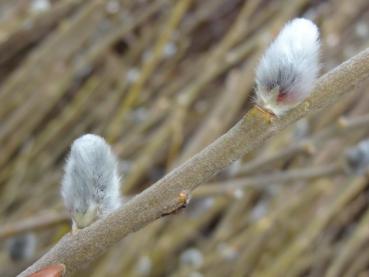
pixel 22 247
pixel 287 72
pixel 90 186
pixel 357 157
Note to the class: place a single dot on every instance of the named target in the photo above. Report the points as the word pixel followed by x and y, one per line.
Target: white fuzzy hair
pixel 90 186
pixel 287 72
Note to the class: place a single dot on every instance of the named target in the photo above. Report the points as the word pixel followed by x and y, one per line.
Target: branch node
pixel 184 198
pixel 182 201
pixel 267 115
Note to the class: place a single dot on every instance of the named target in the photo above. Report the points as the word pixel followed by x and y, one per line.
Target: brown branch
pixel 77 251
pixel 38 222
pixel 232 186
pixel 342 126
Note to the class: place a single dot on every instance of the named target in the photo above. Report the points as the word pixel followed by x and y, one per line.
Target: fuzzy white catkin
pixel 357 157
pixel 90 186
pixel 287 72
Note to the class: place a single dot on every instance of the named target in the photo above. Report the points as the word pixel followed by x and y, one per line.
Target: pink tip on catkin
pixel 287 71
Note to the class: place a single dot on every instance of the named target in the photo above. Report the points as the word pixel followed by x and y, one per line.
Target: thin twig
pixel 292 175
pixel 40 221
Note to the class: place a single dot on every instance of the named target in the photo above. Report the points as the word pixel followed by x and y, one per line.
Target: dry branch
pixel 263 181
pixel 38 222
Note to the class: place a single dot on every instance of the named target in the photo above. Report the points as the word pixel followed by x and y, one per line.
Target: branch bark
pixel 77 251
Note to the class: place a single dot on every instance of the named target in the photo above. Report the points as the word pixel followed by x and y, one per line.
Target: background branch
pixel 34 223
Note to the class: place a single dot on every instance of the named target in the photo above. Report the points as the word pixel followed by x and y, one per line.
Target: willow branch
pixel 166 195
